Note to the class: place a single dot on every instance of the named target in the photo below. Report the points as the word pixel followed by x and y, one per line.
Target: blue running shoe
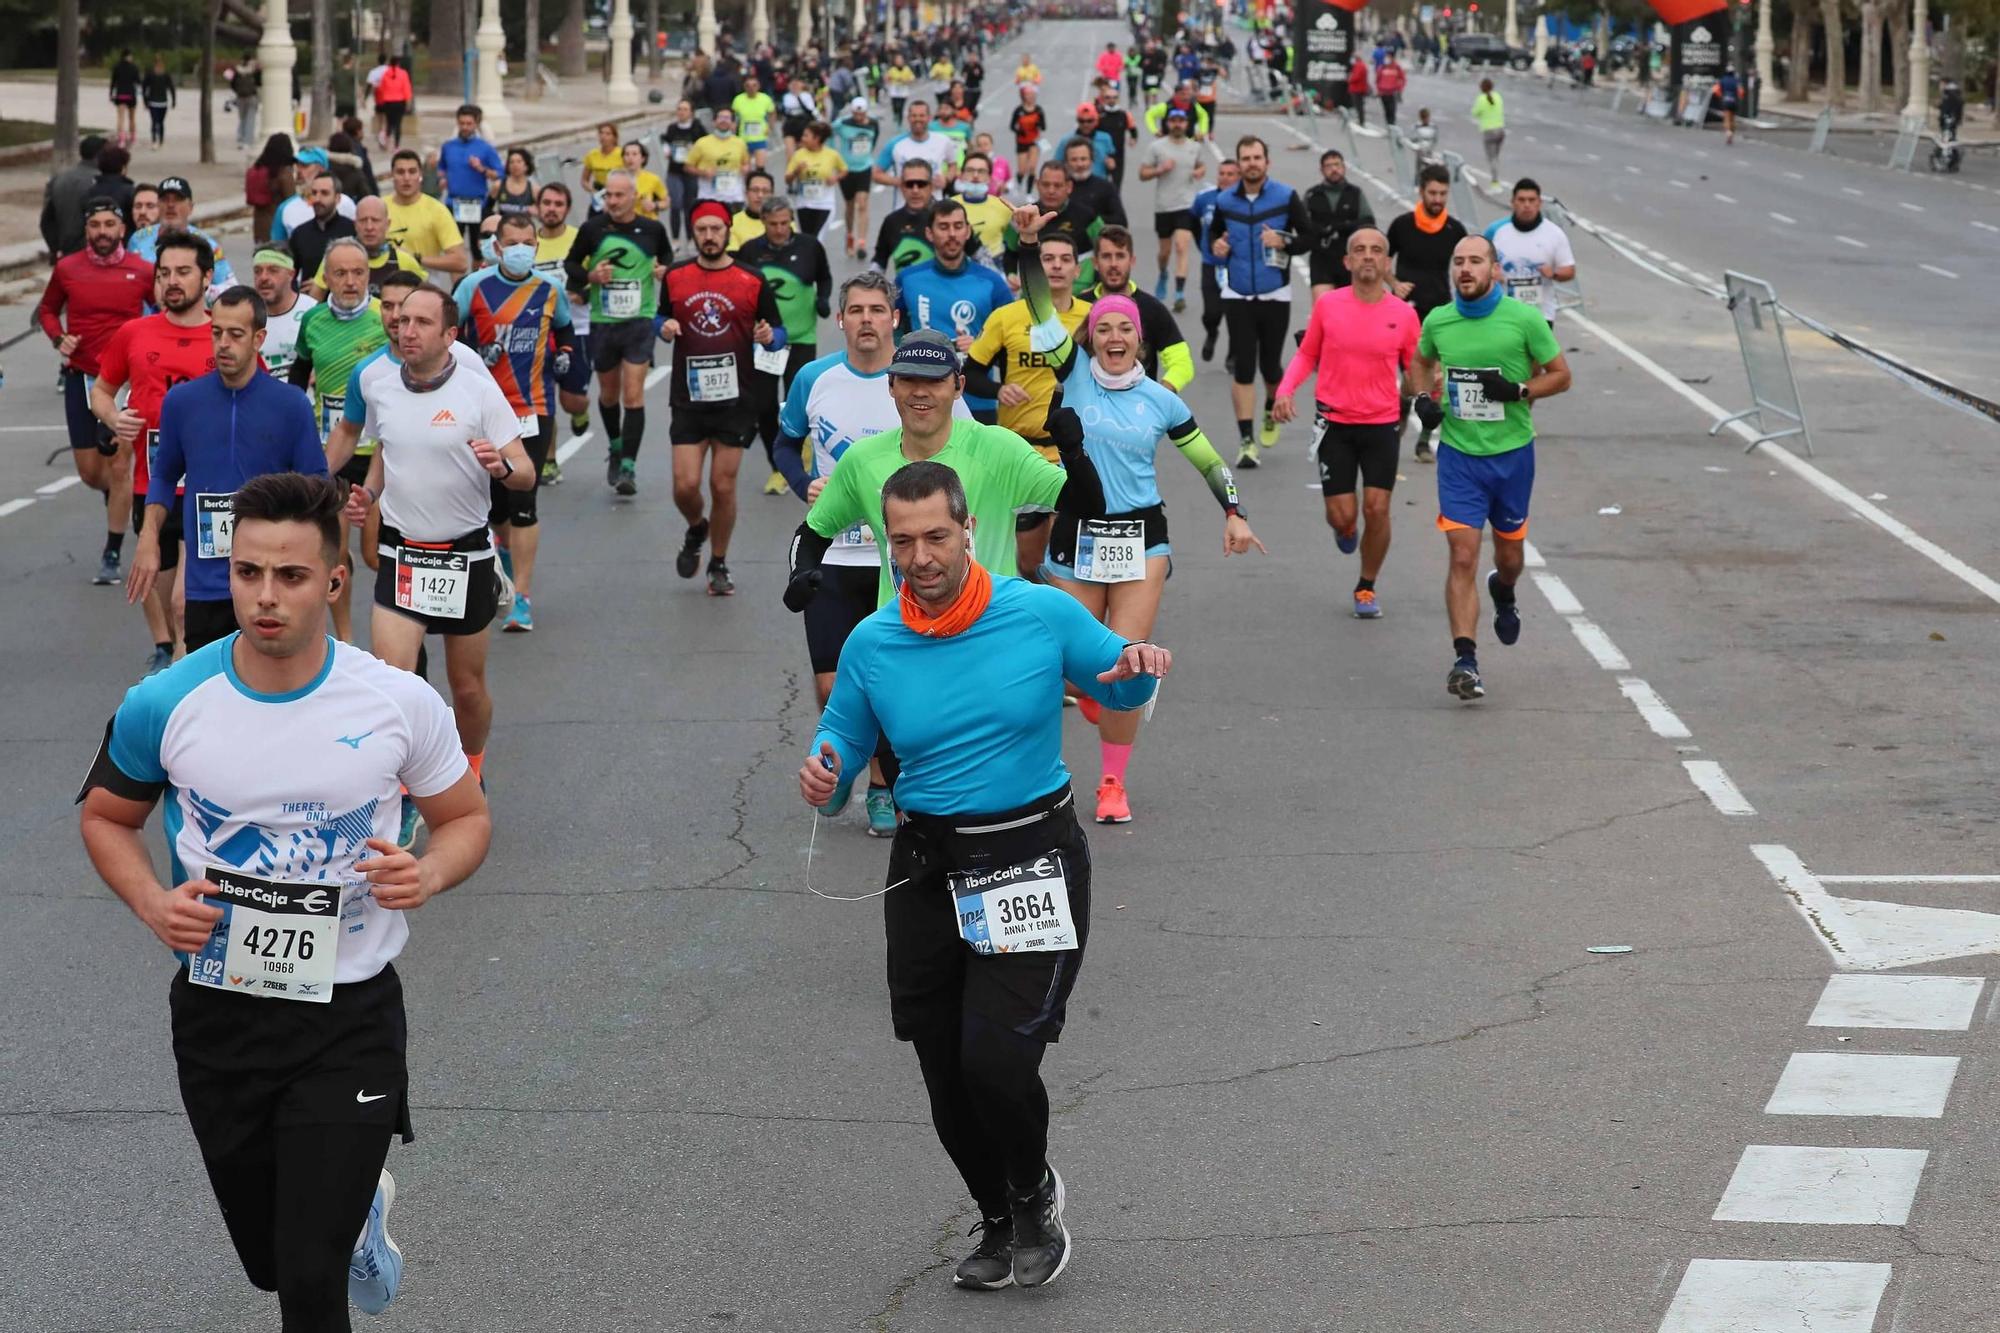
pixel 521 619
pixel 375 1269
pixel 1160 288
pixel 1348 540
pixel 413 823
pixel 881 813
pixel 1365 605
pixel 1464 680
pixel 1506 615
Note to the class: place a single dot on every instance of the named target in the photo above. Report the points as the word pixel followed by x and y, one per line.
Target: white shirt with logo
pixel 433 488
pixel 1522 255
pixel 290 787
pixel 281 336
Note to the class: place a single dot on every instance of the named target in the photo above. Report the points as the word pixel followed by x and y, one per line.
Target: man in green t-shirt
pixel 801 280
pixel 1001 471
pixel 1496 356
pixel 754 109
pixel 618 258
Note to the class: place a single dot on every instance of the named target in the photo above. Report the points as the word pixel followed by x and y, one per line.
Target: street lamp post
pixel 491 42
pixel 1764 48
pixel 276 54
pixel 1919 105
pixel 621 91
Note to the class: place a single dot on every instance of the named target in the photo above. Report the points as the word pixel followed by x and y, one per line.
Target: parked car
pixel 1487 48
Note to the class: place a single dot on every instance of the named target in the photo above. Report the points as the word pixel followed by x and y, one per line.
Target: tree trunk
pixel 206 117
pixel 1798 70
pixel 321 106
pixel 1871 55
pixel 396 28
pixel 572 61
pixel 1898 16
pixel 653 52
pixel 531 52
pixel 445 63
pixel 67 55
pixel 1836 53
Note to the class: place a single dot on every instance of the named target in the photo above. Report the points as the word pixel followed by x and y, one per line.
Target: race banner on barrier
pixel 1323 48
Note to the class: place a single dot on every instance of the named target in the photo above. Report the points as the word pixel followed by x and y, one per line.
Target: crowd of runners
pixel 967 397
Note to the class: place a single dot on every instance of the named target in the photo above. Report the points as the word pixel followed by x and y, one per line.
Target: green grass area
pixel 14 133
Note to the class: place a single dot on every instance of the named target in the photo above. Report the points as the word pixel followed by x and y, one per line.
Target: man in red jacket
pixel 1390 81
pixel 90 296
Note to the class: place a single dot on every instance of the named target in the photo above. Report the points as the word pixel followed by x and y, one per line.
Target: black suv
pixel 1487 48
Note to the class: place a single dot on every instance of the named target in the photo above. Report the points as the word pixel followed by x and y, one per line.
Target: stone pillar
pixel 805 25
pixel 621 91
pixel 1513 33
pixel 760 22
pixel 276 54
pixel 1541 66
pixel 706 28
pixel 1764 47
pixel 491 43
pixel 1919 105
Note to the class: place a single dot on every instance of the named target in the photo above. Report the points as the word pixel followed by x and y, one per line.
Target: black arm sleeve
pixel 575 275
pixel 980 379
pixel 1300 224
pixel 301 374
pixel 825 283
pixel 1082 495
pixel 809 548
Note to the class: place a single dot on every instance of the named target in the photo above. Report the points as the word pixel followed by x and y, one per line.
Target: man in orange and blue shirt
pixel 519 320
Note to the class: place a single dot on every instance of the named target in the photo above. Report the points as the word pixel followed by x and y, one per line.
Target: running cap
pixel 101 204
pixel 176 185
pixel 311 157
pixel 1177 113
pixel 858 107
pixel 925 355
pixel 1086 111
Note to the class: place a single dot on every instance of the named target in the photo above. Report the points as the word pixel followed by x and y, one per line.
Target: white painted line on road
pixel 1592 157
pixel 1662 719
pixel 1784 458
pixel 1875 935
pixel 16 506
pixel 1598 644
pixel 1905 1087
pixel 1680 185
pixel 1780 217
pixel 1723 198
pixel 574 445
pixel 1941 272
pixel 1823 1186
pixel 1701 278
pixel 1531 557
pixel 1756 1296
pixel 32 430
pixel 1655 254
pixel 1984 226
pixel 1707 775
pixel 1849 189
pixel 1936 1004
pixel 1795 175
pixel 1634 170
pixel 1914 208
pixel 1909 879
pixel 1849 240
pixel 1561 600
pixel 59 484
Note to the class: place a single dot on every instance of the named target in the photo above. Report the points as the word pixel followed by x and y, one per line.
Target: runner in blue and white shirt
pixel 280 754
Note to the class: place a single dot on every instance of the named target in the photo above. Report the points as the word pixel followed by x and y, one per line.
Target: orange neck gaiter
pixel 1428 225
pixel 956 618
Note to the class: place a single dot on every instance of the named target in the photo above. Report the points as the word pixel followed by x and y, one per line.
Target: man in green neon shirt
pixel 1001 471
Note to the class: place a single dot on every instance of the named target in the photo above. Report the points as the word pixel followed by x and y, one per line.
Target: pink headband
pixel 1113 305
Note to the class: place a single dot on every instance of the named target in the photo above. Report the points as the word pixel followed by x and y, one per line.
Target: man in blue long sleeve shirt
pixel 217 432
pixel 964 673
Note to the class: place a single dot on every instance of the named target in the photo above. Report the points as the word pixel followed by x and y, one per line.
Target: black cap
pixel 925 355
pixel 176 185
pixel 101 204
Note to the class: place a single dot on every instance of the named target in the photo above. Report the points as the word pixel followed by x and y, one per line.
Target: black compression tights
pixel 989 1106
pixel 1257 339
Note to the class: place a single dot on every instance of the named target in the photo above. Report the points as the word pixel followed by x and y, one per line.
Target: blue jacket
pixel 1242 221
pixel 952 302
pixel 1203 209
pixel 217 438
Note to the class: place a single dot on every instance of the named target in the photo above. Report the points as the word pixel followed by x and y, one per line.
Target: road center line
pixel 1708 776
pixel 1849 189
pixel 1659 717
pixel 1598 644
pixel 1789 222
pixel 1561 600
pixel 16 506
pixel 1849 240
pixel 59 484
pixel 1984 226
pixel 1914 208
pixel 1723 198
pixel 1680 185
pixel 1941 272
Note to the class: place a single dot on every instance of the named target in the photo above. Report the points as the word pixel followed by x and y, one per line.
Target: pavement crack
pixel 739 801
pixel 947 1233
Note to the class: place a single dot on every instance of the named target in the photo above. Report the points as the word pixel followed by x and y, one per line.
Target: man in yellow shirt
pixel 420 224
pixel 1003 364
pixel 899 78
pixel 754 109
pixel 371 228
pixel 717 160
pixel 602 160
pixel 748 224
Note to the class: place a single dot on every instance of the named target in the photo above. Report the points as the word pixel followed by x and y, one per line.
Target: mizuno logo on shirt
pixel 444 418
pixel 352 742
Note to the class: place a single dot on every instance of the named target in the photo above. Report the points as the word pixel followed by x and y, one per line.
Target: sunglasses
pixel 916 185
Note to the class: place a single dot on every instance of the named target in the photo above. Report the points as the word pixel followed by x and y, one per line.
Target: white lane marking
pixel 1598 644
pixel 1935 1004
pixel 1662 719
pixel 16 506
pixel 1780 217
pixel 32 430
pixel 1876 935
pixel 1634 170
pixel 59 484
pixel 1561 600
pixel 1905 1087
pixel 1723 198
pixel 1849 240
pixel 1749 1295
pixel 1909 879
pixel 574 445
pixel 1811 475
pixel 1680 185
pixel 1715 784
pixel 1794 175
pixel 1849 189
pixel 1823 1186
pixel 1984 226
pixel 1531 557
pixel 1941 272
pixel 1702 278
pixel 1592 157
pixel 1914 208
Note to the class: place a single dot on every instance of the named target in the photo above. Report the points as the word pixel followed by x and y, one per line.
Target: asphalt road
pixel 1340 1058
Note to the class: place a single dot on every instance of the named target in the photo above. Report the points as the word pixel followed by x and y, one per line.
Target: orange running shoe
pixel 1090 708
pixel 1112 807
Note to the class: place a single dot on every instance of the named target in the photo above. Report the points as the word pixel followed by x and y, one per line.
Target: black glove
pixel 801 589
pixel 825 308
pixel 1064 426
pixel 1427 410
pixel 1498 388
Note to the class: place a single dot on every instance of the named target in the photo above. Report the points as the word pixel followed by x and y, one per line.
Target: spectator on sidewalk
pixel 243 87
pixel 1390 80
pixel 395 98
pixel 63 199
pixel 125 98
pixel 112 183
pixel 157 88
pixel 269 181
pixel 351 127
pixel 345 164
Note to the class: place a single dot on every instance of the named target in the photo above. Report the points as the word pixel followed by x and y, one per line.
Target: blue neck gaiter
pixel 1481 308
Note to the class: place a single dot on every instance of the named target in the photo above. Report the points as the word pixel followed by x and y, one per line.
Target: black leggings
pixel 1257 338
pixel 295 1201
pixel 812 221
pixel 392 120
pixel 989 1105
pixel 1211 299
pixel 159 115
pixel 767 412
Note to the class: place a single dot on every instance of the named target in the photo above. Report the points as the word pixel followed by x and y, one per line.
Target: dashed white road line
pixel 1849 240
pixel 1794 175
pixel 1707 775
pixel 1598 644
pixel 1914 208
pixel 1723 198
pixel 1732 1295
pixel 1984 226
pixel 1634 170
pixel 1662 719
pixel 59 484
pixel 1900 1000
pixel 1823 1186
pixel 1941 272
pixel 1780 217
pixel 16 506
pixel 1863 1083
pixel 1561 600
pixel 1680 185
pixel 1849 189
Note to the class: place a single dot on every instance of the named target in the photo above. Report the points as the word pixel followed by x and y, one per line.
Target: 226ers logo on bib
pixel 1020 908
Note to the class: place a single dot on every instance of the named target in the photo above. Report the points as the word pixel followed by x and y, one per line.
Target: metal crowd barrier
pixel 1908 135
pixel 1767 364
pixel 1464 189
pixel 1822 125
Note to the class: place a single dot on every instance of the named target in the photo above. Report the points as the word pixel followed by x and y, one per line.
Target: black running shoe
pixel 719 582
pixel 1041 1241
pixel 614 464
pixel 628 478
pixel 689 560
pixel 1506 615
pixel 991 1266
pixel 1464 680
pixel 1208 345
